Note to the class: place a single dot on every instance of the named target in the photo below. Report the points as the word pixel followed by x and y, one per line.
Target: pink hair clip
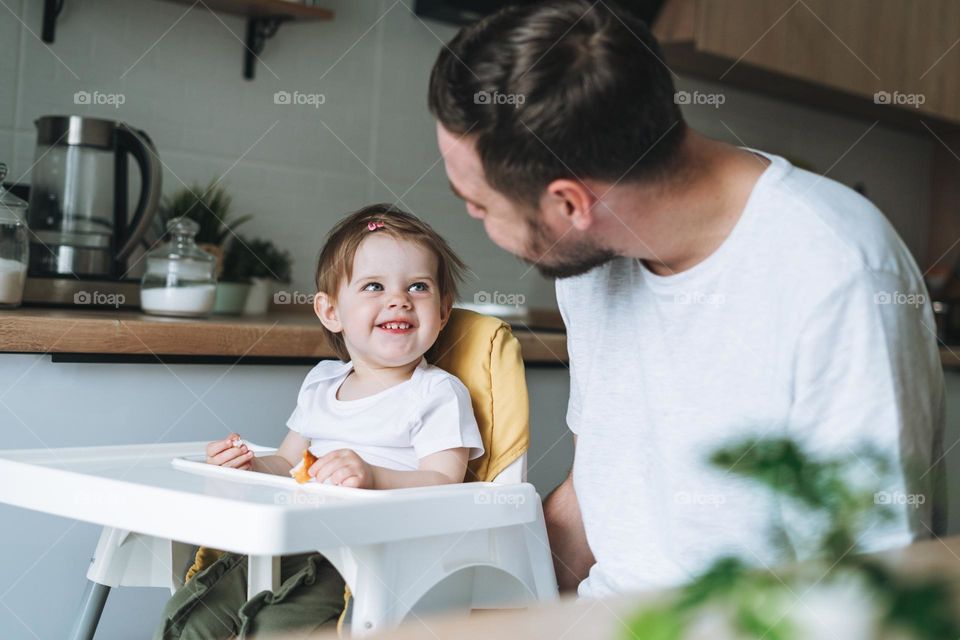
pixel 374 225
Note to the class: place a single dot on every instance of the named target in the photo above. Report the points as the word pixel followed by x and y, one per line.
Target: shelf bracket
pixel 51 11
pixel 259 30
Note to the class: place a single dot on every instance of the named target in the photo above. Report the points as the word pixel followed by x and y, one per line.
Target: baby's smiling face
pixel 390 312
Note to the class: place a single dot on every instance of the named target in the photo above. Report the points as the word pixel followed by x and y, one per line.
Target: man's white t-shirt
pixel 810 321
pixel 394 428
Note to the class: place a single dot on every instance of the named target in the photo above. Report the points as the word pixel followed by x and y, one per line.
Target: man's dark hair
pixel 562 89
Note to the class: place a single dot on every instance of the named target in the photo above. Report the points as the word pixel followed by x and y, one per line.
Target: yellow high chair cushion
pixel 485 355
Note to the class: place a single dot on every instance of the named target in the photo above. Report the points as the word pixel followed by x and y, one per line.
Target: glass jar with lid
pixel 179 278
pixel 14 246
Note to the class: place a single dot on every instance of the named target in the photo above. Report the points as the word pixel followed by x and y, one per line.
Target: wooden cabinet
pixel 897 61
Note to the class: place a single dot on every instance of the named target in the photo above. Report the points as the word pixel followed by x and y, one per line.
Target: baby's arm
pixel 286 458
pixel 344 467
pixel 443 467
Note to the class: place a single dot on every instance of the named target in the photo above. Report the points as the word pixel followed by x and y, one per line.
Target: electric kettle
pixel 79 197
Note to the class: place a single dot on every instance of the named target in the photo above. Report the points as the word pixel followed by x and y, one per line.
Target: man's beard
pixel 575 259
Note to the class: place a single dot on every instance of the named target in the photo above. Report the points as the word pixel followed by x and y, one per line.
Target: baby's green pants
pixel 214 603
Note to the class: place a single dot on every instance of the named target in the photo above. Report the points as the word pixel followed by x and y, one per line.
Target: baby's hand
pixel 345 468
pixel 231 452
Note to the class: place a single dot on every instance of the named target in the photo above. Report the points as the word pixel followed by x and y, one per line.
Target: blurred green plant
pixel 209 207
pixel 247 258
pixel 755 603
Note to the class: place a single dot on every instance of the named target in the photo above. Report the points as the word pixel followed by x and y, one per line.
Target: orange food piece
pixel 301 475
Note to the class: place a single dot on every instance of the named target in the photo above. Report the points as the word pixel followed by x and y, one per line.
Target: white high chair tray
pixel 166 490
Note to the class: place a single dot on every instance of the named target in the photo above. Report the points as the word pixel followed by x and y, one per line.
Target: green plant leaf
pixel 209 206
pixel 921 607
pixel 656 624
pixel 247 258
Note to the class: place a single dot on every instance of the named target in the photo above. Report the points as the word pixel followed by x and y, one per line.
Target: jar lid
pixel 181 244
pixel 12 209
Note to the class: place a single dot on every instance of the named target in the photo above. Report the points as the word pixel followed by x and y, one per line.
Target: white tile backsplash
pixel 10 37
pixel 298 168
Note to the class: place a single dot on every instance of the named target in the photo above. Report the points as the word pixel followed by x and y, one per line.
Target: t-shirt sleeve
pixel 573 404
pixel 296 420
pixel 324 370
pixel 446 421
pixel 867 373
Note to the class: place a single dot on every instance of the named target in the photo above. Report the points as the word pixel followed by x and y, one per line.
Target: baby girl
pixel 380 417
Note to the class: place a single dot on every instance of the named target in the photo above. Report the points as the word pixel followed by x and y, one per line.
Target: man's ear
pixel 326 310
pixel 571 201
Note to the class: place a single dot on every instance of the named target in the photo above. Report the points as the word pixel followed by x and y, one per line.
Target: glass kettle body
pixel 79 192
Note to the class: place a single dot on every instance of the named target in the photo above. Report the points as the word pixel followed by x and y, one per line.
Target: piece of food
pixel 300 472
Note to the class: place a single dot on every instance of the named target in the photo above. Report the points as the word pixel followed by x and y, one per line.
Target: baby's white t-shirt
pixel 394 428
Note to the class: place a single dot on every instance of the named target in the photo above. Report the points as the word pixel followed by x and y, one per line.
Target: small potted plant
pixel 209 207
pixel 233 285
pixel 270 266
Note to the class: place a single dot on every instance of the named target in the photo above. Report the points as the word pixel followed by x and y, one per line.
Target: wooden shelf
pixel 266 9
pixel 283 334
pixel 264 17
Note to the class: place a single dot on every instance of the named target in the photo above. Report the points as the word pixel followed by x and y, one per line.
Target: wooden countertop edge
pixel 268 336
pixel 950 357
pixel 276 335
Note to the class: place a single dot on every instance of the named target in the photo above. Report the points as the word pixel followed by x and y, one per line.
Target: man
pixel 710 293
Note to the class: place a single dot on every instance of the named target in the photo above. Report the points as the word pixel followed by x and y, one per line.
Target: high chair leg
pixel 91 606
pixel 263 574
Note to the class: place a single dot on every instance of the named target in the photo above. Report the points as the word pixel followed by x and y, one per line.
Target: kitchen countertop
pixel 278 334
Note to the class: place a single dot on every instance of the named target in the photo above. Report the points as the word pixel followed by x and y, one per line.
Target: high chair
pixel 477 545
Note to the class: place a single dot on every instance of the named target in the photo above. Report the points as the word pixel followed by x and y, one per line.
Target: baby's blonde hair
pixel 335 263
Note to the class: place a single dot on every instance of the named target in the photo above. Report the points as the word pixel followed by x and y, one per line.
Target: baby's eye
pixel 420 286
pixel 372 286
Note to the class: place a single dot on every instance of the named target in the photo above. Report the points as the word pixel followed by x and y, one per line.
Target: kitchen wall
pixel 298 168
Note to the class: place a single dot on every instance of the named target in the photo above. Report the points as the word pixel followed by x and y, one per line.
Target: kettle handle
pixel 141 148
